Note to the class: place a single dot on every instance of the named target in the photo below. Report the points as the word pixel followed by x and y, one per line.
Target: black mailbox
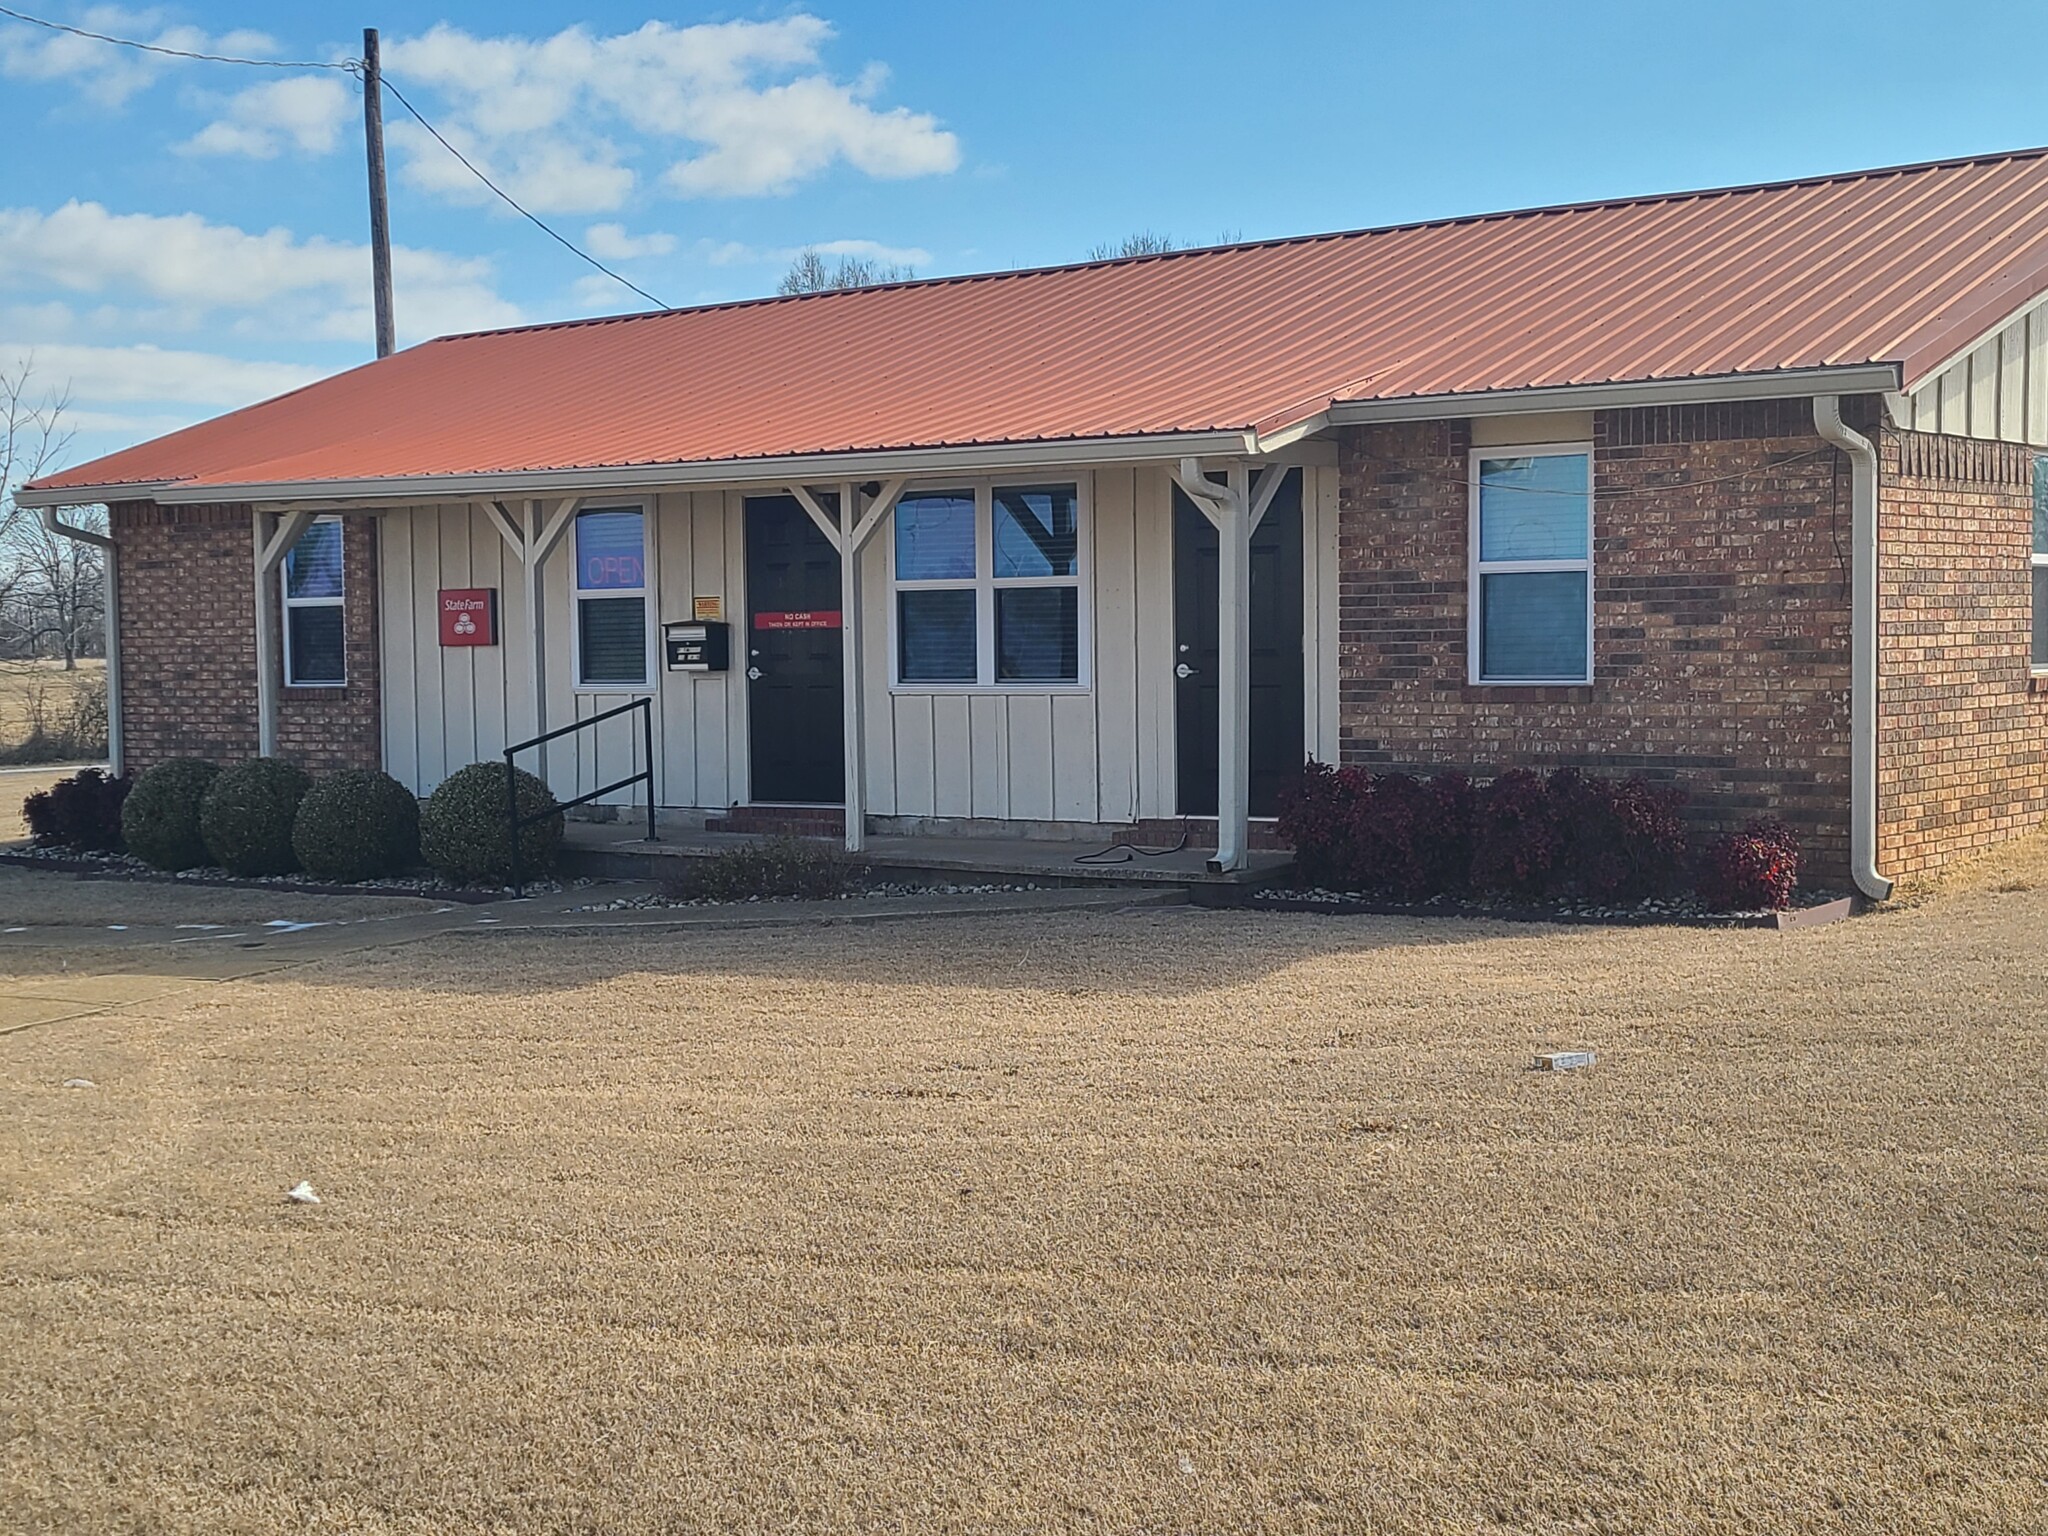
pixel 701 646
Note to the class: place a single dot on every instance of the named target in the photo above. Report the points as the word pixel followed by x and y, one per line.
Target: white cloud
pixel 733 253
pixel 155 374
pixel 307 112
pixel 610 242
pixel 545 175
pixel 747 107
pixel 108 75
pixel 283 284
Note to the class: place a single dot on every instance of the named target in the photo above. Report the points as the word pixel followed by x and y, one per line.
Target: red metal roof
pixel 1906 265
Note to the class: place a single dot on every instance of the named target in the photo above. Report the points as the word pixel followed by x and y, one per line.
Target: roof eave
pixel 91 495
pixel 1779 384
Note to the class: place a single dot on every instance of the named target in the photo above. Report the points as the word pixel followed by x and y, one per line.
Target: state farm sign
pixel 469 615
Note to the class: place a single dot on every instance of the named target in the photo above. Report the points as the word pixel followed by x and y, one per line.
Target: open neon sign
pixel 610 551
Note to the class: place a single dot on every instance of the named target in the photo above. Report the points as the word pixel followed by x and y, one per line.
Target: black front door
pixel 794 684
pixel 1276 680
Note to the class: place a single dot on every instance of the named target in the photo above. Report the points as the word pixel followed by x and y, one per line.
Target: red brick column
pixel 1962 724
pixel 188 644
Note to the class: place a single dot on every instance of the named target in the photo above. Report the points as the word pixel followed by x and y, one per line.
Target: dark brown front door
pixel 1277 750
pixel 795 686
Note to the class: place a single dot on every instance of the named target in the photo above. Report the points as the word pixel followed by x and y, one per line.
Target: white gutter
pixel 111 601
pixel 1863 615
pixel 813 469
pixel 1785 384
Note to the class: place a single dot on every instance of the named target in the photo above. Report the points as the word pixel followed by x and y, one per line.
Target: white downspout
pixel 116 753
pixel 1863 625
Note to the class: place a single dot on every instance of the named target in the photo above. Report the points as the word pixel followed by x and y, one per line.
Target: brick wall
pixel 1963 736
pixel 188 648
pixel 1721 618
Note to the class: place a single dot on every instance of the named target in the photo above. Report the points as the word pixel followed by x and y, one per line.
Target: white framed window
pixel 1530 577
pixel 315 608
pixel 613 633
pixel 2040 650
pixel 988 587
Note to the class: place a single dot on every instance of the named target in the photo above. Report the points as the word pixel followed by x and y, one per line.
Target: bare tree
pixel 812 272
pixel 58 589
pixel 52 589
pixel 1145 243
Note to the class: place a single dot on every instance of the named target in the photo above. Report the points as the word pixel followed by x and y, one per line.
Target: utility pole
pixel 380 210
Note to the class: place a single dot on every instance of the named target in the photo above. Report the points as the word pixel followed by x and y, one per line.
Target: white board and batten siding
pixel 1998 389
pixel 1102 753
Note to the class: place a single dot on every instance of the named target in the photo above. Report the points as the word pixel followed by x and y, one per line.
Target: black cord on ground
pixel 1132 852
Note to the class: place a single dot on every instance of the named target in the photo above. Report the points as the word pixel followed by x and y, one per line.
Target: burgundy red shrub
pixel 1756 869
pixel 1565 836
pixel 81 812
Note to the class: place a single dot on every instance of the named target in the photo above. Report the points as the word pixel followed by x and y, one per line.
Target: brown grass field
pixel 21 680
pixel 1160 1221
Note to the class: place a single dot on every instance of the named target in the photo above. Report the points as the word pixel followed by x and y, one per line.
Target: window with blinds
pixel 611 598
pixel 315 604
pixel 1532 566
pixel 2040 653
pixel 987 586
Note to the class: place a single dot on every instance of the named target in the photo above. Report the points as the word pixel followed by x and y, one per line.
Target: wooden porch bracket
pixel 532 534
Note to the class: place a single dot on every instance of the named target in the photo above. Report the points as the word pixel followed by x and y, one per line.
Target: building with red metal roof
pixel 1733 488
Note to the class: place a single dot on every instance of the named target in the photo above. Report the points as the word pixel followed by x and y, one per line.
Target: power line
pixel 513 204
pixel 352 66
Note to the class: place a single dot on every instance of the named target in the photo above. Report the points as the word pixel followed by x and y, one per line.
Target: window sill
pixel 647 688
pixel 1028 690
pixel 324 690
pixel 1528 682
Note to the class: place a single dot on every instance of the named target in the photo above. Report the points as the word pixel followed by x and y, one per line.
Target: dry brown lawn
pixel 1162 1221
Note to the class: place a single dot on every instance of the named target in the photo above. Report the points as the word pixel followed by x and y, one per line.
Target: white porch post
pixel 536 622
pixel 271 546
pixel 1234 694
pixel 532 536
pixel 1229 508
pixel 849 663
pixel 854 527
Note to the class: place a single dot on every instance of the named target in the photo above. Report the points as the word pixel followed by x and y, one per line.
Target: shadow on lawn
pixel 1158 952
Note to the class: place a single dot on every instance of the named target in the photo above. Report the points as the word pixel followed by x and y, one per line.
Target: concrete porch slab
pixel 612 849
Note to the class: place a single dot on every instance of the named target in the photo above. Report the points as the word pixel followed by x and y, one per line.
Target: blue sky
pixel 180 238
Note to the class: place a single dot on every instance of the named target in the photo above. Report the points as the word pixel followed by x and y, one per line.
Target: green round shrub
pixel 462 827
pixel 247 816
pixel 160 817
pixel 356 825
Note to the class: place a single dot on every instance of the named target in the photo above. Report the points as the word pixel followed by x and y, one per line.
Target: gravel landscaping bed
pixel 659 900
pixel 124 866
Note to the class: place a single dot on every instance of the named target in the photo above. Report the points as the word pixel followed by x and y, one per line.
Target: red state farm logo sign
pixel 469 615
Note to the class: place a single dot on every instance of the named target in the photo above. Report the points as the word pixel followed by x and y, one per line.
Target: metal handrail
pixel 516 823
